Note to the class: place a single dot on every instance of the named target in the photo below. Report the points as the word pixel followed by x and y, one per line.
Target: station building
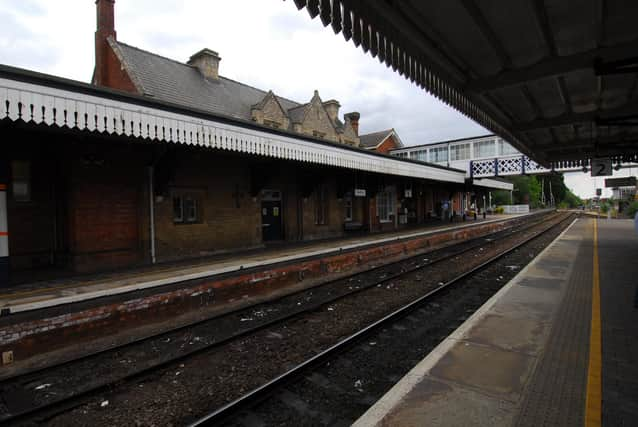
pixel 159 160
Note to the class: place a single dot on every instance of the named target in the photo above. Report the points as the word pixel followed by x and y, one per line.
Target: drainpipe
pixel 151 209
pixel 4 228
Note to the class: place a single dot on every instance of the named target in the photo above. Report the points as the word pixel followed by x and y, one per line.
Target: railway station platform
pixel 555 347
pixel 47 321
pixel 47 293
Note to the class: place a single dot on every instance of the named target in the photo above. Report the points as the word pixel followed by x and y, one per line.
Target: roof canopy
pixel 557 79
pixel 44 100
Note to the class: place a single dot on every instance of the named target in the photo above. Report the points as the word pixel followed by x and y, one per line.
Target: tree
pixel 527 190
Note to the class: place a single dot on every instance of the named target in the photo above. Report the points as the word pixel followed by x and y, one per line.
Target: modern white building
pixel 458 153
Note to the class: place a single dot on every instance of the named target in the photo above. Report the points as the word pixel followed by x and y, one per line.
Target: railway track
pixel 278 401
pixel 34 405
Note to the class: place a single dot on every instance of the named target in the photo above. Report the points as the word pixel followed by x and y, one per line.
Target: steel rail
pixel 263 392
pixel 66 403
pixel 506 231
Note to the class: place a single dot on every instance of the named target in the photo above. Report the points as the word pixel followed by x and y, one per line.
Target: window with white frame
pixel 386 204
pixel 485 148
pixel 506 149
pixel 421 155
pixel 460 152
pixel 438 154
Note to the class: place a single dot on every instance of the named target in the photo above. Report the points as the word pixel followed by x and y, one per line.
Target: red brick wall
pixel 108 69
pixel 104 211
pixel 389 144
pixel 115 75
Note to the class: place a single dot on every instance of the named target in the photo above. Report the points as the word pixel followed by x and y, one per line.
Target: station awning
pixel 557 79
pixel 47 100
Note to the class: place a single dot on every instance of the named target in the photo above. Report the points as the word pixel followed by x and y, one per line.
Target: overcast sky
pixel 264 43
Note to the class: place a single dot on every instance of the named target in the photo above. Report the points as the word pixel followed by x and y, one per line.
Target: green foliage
pixel 499 210
pixel 527 190
pixel 501 197
pixel 572 200
pixel 632 209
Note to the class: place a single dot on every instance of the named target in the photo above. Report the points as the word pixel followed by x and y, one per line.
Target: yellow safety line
pixel 593 402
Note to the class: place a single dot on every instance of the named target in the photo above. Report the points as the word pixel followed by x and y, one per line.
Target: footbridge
pixel 489 156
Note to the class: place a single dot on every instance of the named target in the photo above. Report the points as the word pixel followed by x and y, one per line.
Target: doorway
pixel 271 213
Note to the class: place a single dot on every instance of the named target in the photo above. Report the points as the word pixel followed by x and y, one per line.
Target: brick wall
pixel 389 144
pixel 104 207
pixel 220 182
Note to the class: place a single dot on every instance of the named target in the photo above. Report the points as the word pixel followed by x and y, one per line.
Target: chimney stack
pixel 353 118
pixel 332 108
pixel 207 62
pixel 105 29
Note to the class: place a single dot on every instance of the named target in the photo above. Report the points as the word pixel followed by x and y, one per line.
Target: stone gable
pixel 270 113
pixel 316 121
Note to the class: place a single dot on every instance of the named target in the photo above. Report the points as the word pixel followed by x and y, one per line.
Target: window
pixel 506 149
pixel 321 205
pixel 438 154
pixel 385 204
pixel 186 209
pixel 485 148
pixel 347 206
pixel 460 152
pixel 419 155
pixel 21 180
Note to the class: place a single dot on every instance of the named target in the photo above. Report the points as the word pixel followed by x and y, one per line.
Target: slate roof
pixel 297 114
pixel 371 140
pixel 172 81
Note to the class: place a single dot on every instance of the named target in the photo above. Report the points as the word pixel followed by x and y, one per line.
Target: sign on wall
pixel 629 181
pixel 601 167
pixel 359 192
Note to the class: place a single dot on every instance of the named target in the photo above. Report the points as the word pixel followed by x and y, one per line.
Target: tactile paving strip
pixel 555 395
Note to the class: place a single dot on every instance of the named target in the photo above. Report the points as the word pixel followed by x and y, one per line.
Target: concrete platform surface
pixel 45 294
pixel 524 358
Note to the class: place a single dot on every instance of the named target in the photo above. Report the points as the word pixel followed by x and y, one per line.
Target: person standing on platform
pixel 446 206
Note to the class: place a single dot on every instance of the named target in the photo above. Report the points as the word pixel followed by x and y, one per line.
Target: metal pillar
pixel 4 228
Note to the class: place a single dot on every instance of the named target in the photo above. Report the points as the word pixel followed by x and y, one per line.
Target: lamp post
pixel 484 207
